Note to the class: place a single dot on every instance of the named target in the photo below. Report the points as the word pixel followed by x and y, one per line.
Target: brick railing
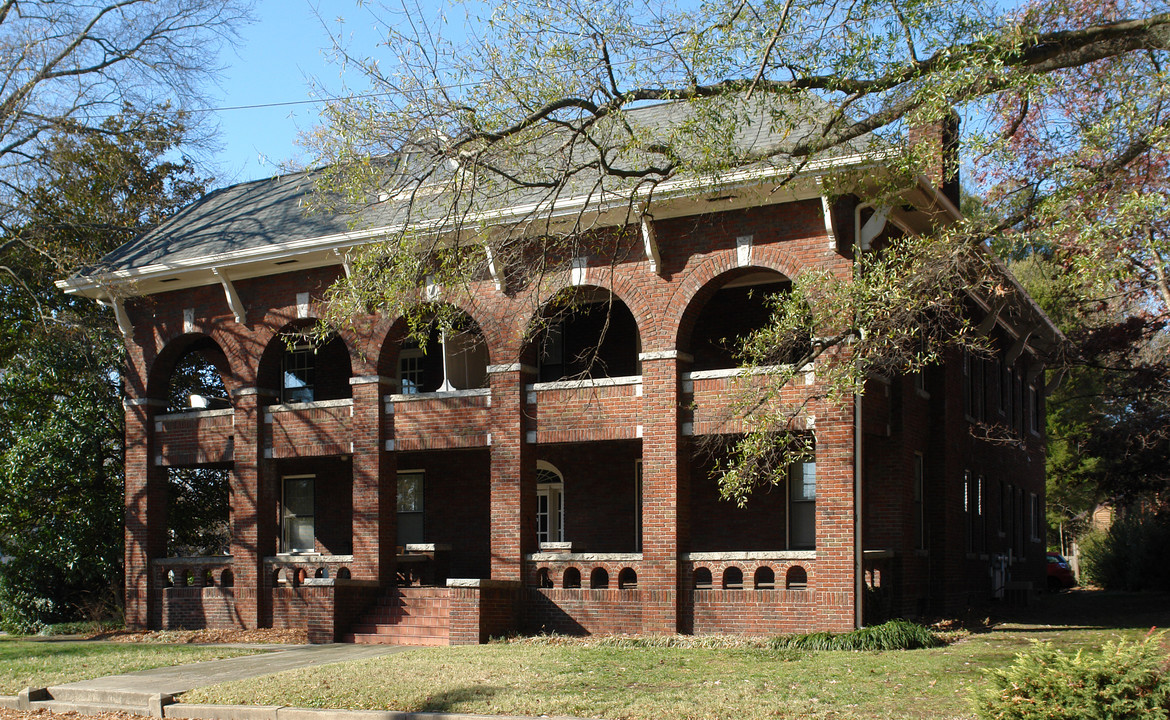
pixel 588 571
pixel 212 571
pixel 750 570
pixel 311 429
pixel 195 436
pixel 441 420
pixel 585 410
pixel 722 397
pixel 306 569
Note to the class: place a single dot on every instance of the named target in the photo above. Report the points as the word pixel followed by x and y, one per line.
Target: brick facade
pixel 640 501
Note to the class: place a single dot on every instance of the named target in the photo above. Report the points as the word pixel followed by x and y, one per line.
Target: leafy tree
pixel 539 109
pixel 66 66
pixel 61 429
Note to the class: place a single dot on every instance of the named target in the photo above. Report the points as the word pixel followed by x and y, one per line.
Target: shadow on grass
pixel 1084 609
pixel 451 700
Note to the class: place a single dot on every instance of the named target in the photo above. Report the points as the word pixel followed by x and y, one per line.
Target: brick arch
pixel 700 284
pixel 174 349
pixel 267 372
pixel 622 288
pixel 385 336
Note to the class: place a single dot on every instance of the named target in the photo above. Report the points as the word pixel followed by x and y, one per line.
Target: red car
pixel 1060 575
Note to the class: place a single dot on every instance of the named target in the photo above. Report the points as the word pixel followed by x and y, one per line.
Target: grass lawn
pixel 43 662
pixel 744 684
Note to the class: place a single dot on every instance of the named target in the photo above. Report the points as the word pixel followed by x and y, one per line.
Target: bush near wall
pixel 1123 680
pixel 1131 554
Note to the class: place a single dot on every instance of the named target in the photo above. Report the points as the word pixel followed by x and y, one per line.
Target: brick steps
pixel 405 616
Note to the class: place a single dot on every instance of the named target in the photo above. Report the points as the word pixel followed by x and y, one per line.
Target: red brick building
pixel 478 486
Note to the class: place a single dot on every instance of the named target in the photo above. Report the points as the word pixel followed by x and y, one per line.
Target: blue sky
pixel 273 64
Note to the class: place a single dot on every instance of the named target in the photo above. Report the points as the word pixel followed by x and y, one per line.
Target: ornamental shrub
pixel 1123 680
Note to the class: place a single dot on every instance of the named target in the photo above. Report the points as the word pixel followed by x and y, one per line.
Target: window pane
pixel 410 492
pixel 300 534
pixel 298 496
pixel 804 482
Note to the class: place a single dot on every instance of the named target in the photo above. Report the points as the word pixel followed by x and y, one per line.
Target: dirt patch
pixel 261 636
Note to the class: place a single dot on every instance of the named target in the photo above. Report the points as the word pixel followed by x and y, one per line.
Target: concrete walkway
pixel 181 678
pixel 152 692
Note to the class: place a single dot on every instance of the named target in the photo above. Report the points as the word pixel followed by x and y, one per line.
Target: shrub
pixel 1123 680
pixel 1130 555
pixel 892 635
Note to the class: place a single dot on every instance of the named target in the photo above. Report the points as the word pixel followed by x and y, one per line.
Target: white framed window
pixel 550 503
pixel 297 530
pixel 299 374
pixel 410 370
pixel 411 487
pixel 919 502
pixel 1034 412
pixel 802 505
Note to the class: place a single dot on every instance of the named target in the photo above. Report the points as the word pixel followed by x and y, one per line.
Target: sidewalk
pixel 153 692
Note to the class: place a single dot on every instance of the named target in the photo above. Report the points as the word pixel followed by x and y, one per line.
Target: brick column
pixel 833 579
pixel 513 470
pixel 375 486
pixel 666 467
pixel 146 511
pixel 254 508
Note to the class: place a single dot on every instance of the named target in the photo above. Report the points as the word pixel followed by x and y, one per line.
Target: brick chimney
pixel 937 144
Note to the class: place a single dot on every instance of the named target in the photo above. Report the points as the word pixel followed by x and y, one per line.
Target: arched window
pixel 765 578
pixel 550 503
pixel 599 578
pixel 702 578
pixel 572 578
pixel 733 579
pixel 796 578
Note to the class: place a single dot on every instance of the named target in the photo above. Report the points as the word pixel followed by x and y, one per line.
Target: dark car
pixel 1060 575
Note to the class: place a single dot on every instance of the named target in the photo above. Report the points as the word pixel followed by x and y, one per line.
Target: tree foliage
pixel 61 449
pixel 543 109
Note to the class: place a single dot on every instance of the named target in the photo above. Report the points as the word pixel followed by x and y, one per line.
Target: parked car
pixel 1060 575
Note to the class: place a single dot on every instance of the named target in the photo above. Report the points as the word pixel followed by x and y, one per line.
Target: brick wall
pixel 480 464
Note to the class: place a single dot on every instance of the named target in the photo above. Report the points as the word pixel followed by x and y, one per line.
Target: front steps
pixel 406 616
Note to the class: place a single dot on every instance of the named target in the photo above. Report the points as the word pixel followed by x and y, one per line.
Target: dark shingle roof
pixel 270 213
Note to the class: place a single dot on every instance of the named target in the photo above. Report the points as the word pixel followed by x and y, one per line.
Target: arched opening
pixel 733 579
pixel 343 573
pixel 571 578
pixel 451 358
pixel 724 313
pixel 542 578
pixel 765 578
pixel 550 503
pixel 208 578
pixel 196 378
pixel 586 332
pixel 627 579
pixel 796 578
pixel 227 578
pixel 321 573
pixel 304 368
pixel 198 511
pixel 702 578
pixel 599 579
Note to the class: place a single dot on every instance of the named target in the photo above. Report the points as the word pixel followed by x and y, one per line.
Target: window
pixel 410 506
pixel 980 517
pixel 299 373
pixel 410 370
pixel 1007 382
pixel 550 503
pixel 1037 515
pixel 919 504
pixel 1034 420
pixel 802 509
pixel 297 530
pixel 970 524
pixel 1004 495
